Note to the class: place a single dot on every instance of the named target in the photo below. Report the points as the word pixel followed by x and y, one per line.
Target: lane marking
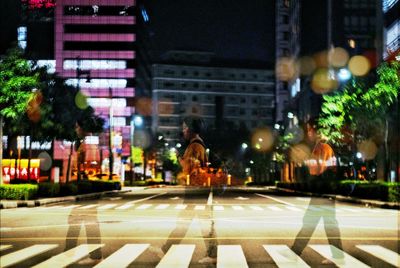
pixel 292 208
pixel 210 198
pixel 124 256
pixel 242 198
pixel 342 259
pixel 382 253
pixel 275 199
pixel 200 207
pixel 283 256
pixel 24 254
pixel 68 257
pixel 237 207
pixel 231 256
pixel 178 256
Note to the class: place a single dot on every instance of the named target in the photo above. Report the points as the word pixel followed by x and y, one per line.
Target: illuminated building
pixel 94 50
pixel 190 85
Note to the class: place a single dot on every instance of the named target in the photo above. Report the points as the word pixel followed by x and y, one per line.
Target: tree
pixel 359 112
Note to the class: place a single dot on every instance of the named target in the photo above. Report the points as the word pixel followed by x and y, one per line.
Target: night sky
pixel 233 30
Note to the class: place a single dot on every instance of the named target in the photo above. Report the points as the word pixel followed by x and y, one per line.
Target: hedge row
pixel 48 189
pixel 385 191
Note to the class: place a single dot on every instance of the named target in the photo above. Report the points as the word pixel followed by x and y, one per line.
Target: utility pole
pixel 111 157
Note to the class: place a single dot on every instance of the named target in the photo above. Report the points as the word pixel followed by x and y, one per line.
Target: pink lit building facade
pixel 94 50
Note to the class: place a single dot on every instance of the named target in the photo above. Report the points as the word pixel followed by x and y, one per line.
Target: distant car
pixel 105 176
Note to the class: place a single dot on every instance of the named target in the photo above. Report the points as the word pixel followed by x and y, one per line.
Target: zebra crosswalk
pixel 182 255
pixel 216 207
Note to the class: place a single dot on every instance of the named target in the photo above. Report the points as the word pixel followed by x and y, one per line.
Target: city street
pixel 200 227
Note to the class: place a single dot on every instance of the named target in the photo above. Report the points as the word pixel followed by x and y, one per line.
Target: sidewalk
pixel 349 199
pixel 45 201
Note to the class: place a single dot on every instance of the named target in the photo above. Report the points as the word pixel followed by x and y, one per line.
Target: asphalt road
pixel 200 227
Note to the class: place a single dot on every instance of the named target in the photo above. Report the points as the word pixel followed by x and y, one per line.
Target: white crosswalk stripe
pixel 253 207
pixel 180 207
pixel 126 206
pixel 4 247
pixel 200 207
pixel 24 254
pixel 342 259
pixel 283 256
pixel 88 206
pixel 382 253
pixel 104 207
pixel 275 208
pixel 230 256
pixel 162 206
pixel 178 256
pixel 124 256
pixel 66 258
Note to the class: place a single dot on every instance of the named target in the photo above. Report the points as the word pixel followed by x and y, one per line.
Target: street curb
pixel 366 202
pixel 4 204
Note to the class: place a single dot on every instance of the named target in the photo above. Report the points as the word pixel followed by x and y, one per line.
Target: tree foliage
pixel 358 112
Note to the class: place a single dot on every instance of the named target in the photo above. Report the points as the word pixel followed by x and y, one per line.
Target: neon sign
pixel 33 4
pixel 19 169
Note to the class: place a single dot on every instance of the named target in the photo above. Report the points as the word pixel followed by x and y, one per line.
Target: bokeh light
pixel 45 161
pixel 81 100
pixel 359 65
pixel 324 80
pixel 144 106
pixel 165 106
pixel 339 57
pixel 285 69
pixel 368 149
pixel 33 107
pixel 262 139
pixel 299 153
pixel 306 65
pixel 321 59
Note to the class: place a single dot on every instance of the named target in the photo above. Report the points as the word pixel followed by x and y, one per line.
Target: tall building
pixel 391 29
pixel 95 51
pixel 189 85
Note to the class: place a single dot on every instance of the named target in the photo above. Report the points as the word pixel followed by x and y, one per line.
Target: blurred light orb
pixel 33 107
pixel 262 139
pixel 321 59
pixel 244 145
pixel 323 81
pixel 296 134
pixel 81 100
pixel 299 153
pixel 344 74
pixel 138 121
pixel 306 65
pixel 368 149
pixel 142 139
pixel 285 69
pixel 359 65
pixel 143 106
pixel 339 57
pixel 165 106
pixel 45 161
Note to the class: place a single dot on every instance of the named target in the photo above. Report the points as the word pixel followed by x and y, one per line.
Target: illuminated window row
pixel 94 64
pixel 105 102
pixel 98 83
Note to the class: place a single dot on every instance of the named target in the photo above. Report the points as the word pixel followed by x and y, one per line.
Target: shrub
pixel 18 191
pixel 48 189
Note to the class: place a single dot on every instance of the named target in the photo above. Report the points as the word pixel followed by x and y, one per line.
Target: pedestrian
pixel 194 159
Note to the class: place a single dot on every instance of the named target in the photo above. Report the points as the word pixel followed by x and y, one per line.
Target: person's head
pixel 192 126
